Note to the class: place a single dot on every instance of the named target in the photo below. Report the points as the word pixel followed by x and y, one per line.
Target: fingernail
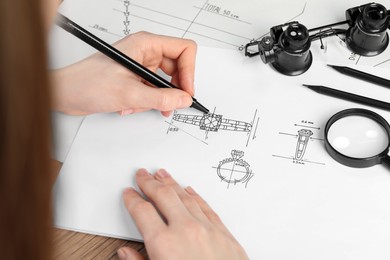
pixel 142 172
pixel 185 101
pixel 127 112
pixel 166 113
pixel 191 82
pixel 191 191
pixel 128 190
pixel 161 173
pixel 121 253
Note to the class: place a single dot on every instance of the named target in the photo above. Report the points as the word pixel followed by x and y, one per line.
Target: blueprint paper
pixel 218 23
pixel 282 198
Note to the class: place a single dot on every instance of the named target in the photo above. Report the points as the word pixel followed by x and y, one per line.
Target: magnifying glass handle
pixel 386 161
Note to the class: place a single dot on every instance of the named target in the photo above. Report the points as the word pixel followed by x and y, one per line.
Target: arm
pixel 187 227
pixel 99 84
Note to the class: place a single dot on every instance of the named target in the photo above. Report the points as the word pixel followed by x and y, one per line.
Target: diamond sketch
pixel 213 122
pixel 235 170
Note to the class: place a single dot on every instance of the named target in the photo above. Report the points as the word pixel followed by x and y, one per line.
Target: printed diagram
pixel 300 142
pixel 217 23
pixel 234 170
pixel 126 13
pixel 213 123
pixel 303 139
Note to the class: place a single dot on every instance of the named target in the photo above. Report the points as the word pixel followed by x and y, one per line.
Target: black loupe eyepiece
pixel 287 48
pixel 367 34
pixel 294 57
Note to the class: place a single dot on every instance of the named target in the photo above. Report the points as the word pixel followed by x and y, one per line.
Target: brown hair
pixel 25 219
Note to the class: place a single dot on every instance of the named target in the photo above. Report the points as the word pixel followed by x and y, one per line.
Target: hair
pixel 25 183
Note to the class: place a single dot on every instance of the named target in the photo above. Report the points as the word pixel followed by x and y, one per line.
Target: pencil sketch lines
pixel 255 130
pixel 381 63
pixel 126 22
pixel 218 10
pixel 172 21
pixel 234 170
pixel 104 30
pixel 174 128
pixel 304 138
pixel 311 127
pixel 301 13
pixel 242 46
pixel 200 10
pixel 213 122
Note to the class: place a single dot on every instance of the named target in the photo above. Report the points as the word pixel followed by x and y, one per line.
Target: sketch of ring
pixel 234 170
pixel 303 139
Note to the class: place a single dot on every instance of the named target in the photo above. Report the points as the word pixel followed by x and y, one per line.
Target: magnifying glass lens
pixel 358 136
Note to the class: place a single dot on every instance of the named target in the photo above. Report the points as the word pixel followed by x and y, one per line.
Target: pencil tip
pixel 312 87
pixel 338 68
pixel 199 106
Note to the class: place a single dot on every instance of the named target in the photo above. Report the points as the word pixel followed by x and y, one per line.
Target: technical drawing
pixel 213 122
pixel 303 139
pixel 126 22
pixel 306 133
pixel 242 46
pixel 234 170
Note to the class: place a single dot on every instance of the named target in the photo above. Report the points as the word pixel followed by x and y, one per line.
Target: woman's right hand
pixel 98 84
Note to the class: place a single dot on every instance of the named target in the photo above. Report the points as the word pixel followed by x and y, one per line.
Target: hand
pixel 99 84
pixel 187 227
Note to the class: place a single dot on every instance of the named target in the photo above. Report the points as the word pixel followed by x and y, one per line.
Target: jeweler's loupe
pixel 358 138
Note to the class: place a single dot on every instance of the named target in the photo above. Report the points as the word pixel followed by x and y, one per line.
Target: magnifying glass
pixel 358 138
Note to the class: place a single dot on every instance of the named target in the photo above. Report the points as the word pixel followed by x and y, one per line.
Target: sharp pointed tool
pixel 349 96
pixel 362 75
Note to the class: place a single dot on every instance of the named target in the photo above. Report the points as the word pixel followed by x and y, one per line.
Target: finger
pixel 127 253
pixel 133 111
pixel 183 52
pixel 207 210
pixel 142 96
pixel 166 113
pixel 144 214
pixel 163 196
pixel 185 64
pixel 178 78
pixel 189 202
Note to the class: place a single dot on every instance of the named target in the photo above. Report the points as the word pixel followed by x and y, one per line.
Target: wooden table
pixel 74 245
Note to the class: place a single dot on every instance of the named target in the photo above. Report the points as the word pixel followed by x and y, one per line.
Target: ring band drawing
pixel 234 170
pixel 213 122
pixel 303 139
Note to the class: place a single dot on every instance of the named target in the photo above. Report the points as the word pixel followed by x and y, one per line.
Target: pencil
pixel 349 96
pixel 119 57
pixel 362 75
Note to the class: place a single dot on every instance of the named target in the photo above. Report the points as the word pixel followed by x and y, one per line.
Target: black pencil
pixel 119 57
pixel 362 75
pixel 350 97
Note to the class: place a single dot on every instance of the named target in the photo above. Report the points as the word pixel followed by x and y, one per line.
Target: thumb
pixel 127 253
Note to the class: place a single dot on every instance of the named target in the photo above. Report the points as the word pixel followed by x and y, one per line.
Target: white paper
pixel 285 208
pixel 218 23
